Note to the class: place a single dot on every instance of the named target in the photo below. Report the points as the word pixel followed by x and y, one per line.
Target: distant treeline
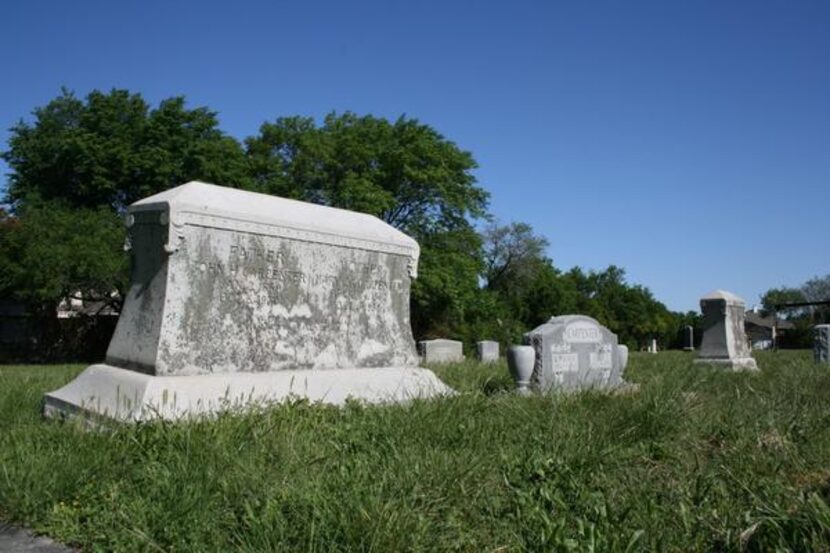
pixel 80 161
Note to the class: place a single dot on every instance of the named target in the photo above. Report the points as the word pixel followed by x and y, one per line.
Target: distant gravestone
pixel 441 351
pixel 575 352
pixel 237 297
pixel 724 337
pixel 487 351
pixel 689 335
pixel 821 343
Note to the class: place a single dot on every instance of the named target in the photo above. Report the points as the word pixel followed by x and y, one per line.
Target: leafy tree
pixel 818 289
pixel 628 310
pixel 511 255
pixel 112 149
pixel 447 284
pixel 777 296
pixel 404 172
pixel 51 251
pixel 74 170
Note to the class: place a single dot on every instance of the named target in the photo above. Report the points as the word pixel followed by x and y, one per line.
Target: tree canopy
pixel 112 149
pixel 79 162
pixel 404 172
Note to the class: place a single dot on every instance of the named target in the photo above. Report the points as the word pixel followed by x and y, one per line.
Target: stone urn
pixel 520 361
pixel 622 352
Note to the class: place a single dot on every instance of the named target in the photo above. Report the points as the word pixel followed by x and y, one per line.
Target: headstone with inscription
pixel 821 343
pixel 575 352
pixel 441 351
pixel 724 340
pixel 487 351
pixel 238 297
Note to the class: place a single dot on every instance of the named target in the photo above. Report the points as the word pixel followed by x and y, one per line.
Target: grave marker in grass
pixel 237 297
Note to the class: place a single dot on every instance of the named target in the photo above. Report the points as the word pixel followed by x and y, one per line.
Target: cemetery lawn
pixel 698 459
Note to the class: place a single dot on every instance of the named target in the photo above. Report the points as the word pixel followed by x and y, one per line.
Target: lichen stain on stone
pixel 284 305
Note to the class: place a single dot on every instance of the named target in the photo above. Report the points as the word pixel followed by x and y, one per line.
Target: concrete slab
pixel 19 540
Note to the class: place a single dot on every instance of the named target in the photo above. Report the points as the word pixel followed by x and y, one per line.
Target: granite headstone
pixel 575 352
pixel 441 351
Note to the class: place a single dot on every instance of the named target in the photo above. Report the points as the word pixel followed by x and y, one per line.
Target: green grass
pixel 697 460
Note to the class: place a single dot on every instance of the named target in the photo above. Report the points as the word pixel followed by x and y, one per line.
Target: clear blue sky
pixel 686 141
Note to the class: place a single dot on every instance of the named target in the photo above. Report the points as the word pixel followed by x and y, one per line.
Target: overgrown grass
pixel 697 460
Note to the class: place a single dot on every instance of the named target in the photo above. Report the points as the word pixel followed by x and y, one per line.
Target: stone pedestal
pixel 129 396
pixel 724 340
pixel 821 343
pixel 262 297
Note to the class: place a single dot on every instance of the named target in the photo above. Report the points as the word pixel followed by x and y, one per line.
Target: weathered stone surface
pixel 724 337
pixel 441 351
pixel 575 352
pixel 226 281
pixel 487 351
pixel 821 343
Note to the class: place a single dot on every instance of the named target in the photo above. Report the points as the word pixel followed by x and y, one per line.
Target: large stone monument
pixel 821 343
pixel 575 352
pixel 237 297
pixel 441 351
pixel 724 337
pixel 487 351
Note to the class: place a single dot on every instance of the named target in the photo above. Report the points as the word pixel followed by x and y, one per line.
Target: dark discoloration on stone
pixel 137 333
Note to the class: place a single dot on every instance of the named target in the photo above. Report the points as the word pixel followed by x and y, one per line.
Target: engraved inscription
pixel 565 362
pixel 582 332
pixel 269 266
pixel 600 360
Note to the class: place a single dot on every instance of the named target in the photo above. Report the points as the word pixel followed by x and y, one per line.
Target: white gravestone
pixel 724 337
pixel 487 351
pixel 821 343
pixel 689 338
pixel 575 352
pixel 441 351
pixel 238 297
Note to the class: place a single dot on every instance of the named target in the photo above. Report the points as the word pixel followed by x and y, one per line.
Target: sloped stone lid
pixel 242 210
pixel 728 297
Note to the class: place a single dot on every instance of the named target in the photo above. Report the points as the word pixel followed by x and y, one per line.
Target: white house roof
pixel 200 198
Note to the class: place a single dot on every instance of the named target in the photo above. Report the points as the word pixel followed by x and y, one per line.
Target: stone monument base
pixel 737 364
pixel 129 396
